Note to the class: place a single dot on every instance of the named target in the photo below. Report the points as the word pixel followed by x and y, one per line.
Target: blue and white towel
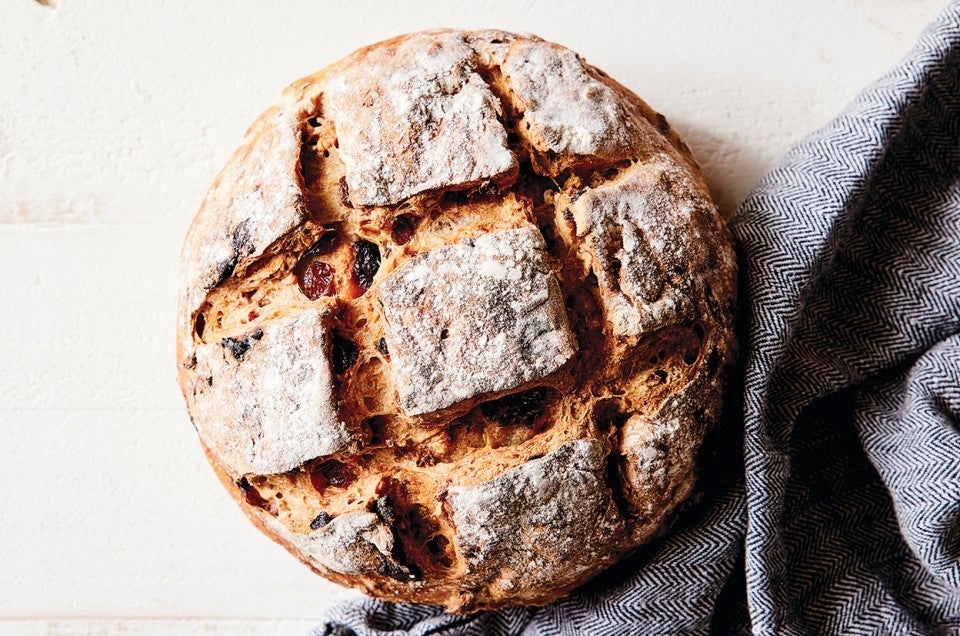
pixel 838 509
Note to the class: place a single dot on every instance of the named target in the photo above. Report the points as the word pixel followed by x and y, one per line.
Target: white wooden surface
pixel 116 115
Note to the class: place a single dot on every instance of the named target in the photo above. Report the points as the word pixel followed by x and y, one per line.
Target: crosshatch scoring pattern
pixel 454 320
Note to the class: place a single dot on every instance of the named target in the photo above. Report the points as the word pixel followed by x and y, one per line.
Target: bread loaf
pixel 454 320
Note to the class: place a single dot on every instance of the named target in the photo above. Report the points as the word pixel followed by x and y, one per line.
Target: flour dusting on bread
pixel 479 317
pixel 264 401
pixel 565 110
pixel 416 116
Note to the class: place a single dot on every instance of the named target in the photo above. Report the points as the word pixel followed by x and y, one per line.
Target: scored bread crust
pixel 515 398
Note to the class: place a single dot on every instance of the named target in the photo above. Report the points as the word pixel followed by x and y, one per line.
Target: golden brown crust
pixel 456 337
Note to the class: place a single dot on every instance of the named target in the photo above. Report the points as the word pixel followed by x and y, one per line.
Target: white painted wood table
pixel 114 118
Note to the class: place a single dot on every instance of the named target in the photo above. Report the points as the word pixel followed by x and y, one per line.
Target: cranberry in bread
pixel 454 320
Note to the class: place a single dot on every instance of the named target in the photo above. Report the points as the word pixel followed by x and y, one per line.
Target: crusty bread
pixel 454 320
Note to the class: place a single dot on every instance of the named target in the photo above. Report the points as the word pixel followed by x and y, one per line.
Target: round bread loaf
pixel 454 320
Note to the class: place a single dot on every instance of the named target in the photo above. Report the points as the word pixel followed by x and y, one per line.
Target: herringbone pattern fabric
pixel 844 516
